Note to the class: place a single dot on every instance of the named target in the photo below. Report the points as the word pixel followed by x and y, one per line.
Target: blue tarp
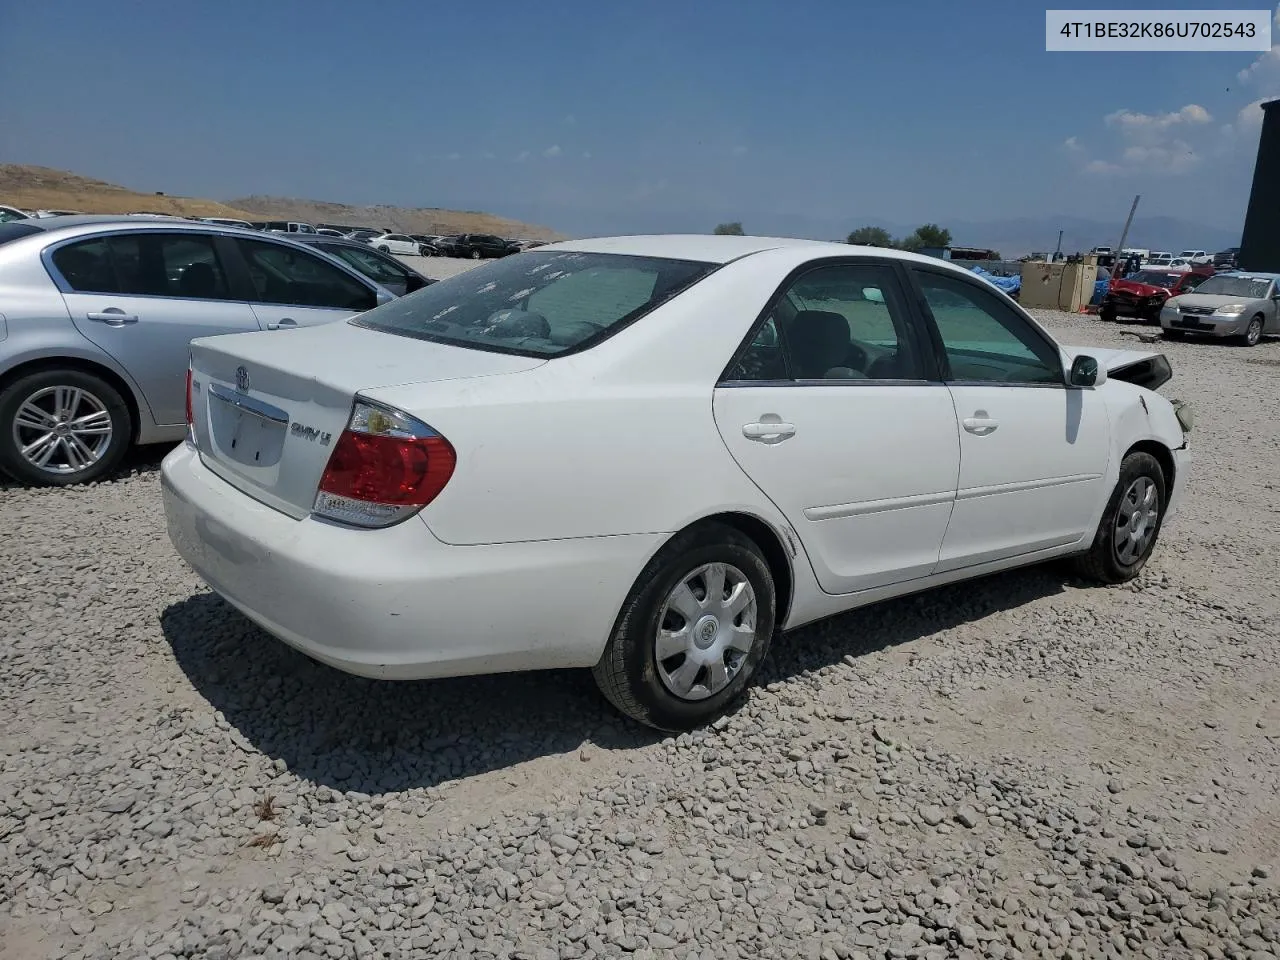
pixel 1010 285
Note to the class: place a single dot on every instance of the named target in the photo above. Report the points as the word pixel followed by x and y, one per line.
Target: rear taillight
pixel 191 420
pixel 385 467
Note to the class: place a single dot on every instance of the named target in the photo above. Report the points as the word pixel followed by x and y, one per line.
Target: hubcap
pixel 1136 520
pixel 706 630
pixel 1254 333
pixel 62 429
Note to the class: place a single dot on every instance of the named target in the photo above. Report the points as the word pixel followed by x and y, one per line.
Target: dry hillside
pixel 42 188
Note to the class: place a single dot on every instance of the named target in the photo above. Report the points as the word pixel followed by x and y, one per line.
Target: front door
pixel 831 412
pixel 142 297
pixel 1033 451
pixel 296 288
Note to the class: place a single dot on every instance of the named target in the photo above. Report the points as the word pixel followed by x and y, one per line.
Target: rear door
pixel 833 410
pixel 142 297
pixel 1033 451
pixel 292 287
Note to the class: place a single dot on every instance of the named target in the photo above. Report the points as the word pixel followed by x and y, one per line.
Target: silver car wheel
pixel 1253 333
pixel 62 429
pixel 1136 520
pixel 706 629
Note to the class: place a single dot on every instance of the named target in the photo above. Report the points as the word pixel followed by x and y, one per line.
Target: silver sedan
pixel 1241 305
pixel 96 318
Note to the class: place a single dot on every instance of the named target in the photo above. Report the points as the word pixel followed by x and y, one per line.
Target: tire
pixel 1112 559
pixel 1107 316
pixel 475 254
pixel 107 436
pixel 631 675
pixel 383 248
pixel 1252 335
pixel 1173 334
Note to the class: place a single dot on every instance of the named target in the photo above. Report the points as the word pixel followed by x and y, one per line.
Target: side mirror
pixel 384 296
pixel 1086 372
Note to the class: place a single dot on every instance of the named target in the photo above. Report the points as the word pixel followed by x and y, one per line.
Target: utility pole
pixel 1125 235
pixel 1058 249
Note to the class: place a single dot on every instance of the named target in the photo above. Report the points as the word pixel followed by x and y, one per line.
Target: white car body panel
pixel 404 247
pixel 573 472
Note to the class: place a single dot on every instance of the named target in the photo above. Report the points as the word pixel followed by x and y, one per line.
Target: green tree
pixel 871 237
pixel 929 235
pixel 729 229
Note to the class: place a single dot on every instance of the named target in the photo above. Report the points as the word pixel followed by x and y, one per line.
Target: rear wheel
pixel 382 247
pixel 1252 335
pixel 693 631
pixel 1130 524
pixel 61 427
pixel 1107 314
pixel 475 254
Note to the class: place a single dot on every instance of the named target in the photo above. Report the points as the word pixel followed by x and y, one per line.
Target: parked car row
pixel 472 245
pixel 332 475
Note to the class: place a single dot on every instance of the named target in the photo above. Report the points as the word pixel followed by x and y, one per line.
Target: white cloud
pixel 1101 167
pixel 1265 71
pixel 1149 127
pixel 552 151
pixel 1250 116
pixel 1073 144
pixel 522 156
pixel 571 121
pixel 1147 143
pixel 739 151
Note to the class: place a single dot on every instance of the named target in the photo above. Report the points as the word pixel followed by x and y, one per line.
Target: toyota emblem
pixel 242 379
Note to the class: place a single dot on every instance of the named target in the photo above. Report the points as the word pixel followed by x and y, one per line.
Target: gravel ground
pixel 1017 767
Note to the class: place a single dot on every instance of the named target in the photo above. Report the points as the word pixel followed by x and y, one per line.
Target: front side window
pixel 540 305
pixel 985 340
pixel 376 268
pixel 284 275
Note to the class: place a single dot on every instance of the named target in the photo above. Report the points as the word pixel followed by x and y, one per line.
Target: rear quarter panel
pixel 38 326
pixel 616 440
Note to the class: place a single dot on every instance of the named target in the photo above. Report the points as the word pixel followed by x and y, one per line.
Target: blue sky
pixel 591 116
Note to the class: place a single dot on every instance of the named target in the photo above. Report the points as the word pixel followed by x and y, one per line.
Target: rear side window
pixel 540 304
pixel 180 265
pixel 283 275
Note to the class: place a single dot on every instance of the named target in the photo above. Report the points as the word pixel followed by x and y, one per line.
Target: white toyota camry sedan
pixel 649 455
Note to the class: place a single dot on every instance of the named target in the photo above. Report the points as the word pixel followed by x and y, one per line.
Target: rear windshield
pixel 1221 285
pixel 537 304
pixel 16 230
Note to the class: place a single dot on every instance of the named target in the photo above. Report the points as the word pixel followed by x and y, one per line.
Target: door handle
pixel 769 431
pixel 112 316
pixel 980 426
pixel 284 323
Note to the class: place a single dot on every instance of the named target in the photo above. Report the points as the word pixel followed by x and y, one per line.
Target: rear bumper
pixel 397 603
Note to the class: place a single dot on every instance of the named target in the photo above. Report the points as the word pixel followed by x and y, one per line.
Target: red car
pixel 1142 295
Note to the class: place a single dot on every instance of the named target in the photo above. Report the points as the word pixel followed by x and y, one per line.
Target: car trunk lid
pixel 268 408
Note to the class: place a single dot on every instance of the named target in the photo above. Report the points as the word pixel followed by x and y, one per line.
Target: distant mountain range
pixel 1012 237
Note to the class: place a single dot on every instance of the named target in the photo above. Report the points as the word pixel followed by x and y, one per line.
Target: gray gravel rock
pixel 1020 766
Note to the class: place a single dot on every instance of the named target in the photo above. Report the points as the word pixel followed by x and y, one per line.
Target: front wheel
pixel 475 254
pixel 383 248
pixel 1252 335
pixel 1130 524
pixel 61 427
pixel 1173 334
pixel 1107 315
pixel 693 632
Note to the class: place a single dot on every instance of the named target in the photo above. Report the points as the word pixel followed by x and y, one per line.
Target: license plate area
pixel 247 433
pixel 1192 323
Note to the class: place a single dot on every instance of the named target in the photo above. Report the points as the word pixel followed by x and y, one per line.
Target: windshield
pixel 537 304
pixel 7 215
pixel 1253 288
pixel 1156 278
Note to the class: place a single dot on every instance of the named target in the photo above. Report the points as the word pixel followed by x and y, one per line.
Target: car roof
pixel 710 248
pixel 1249 274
